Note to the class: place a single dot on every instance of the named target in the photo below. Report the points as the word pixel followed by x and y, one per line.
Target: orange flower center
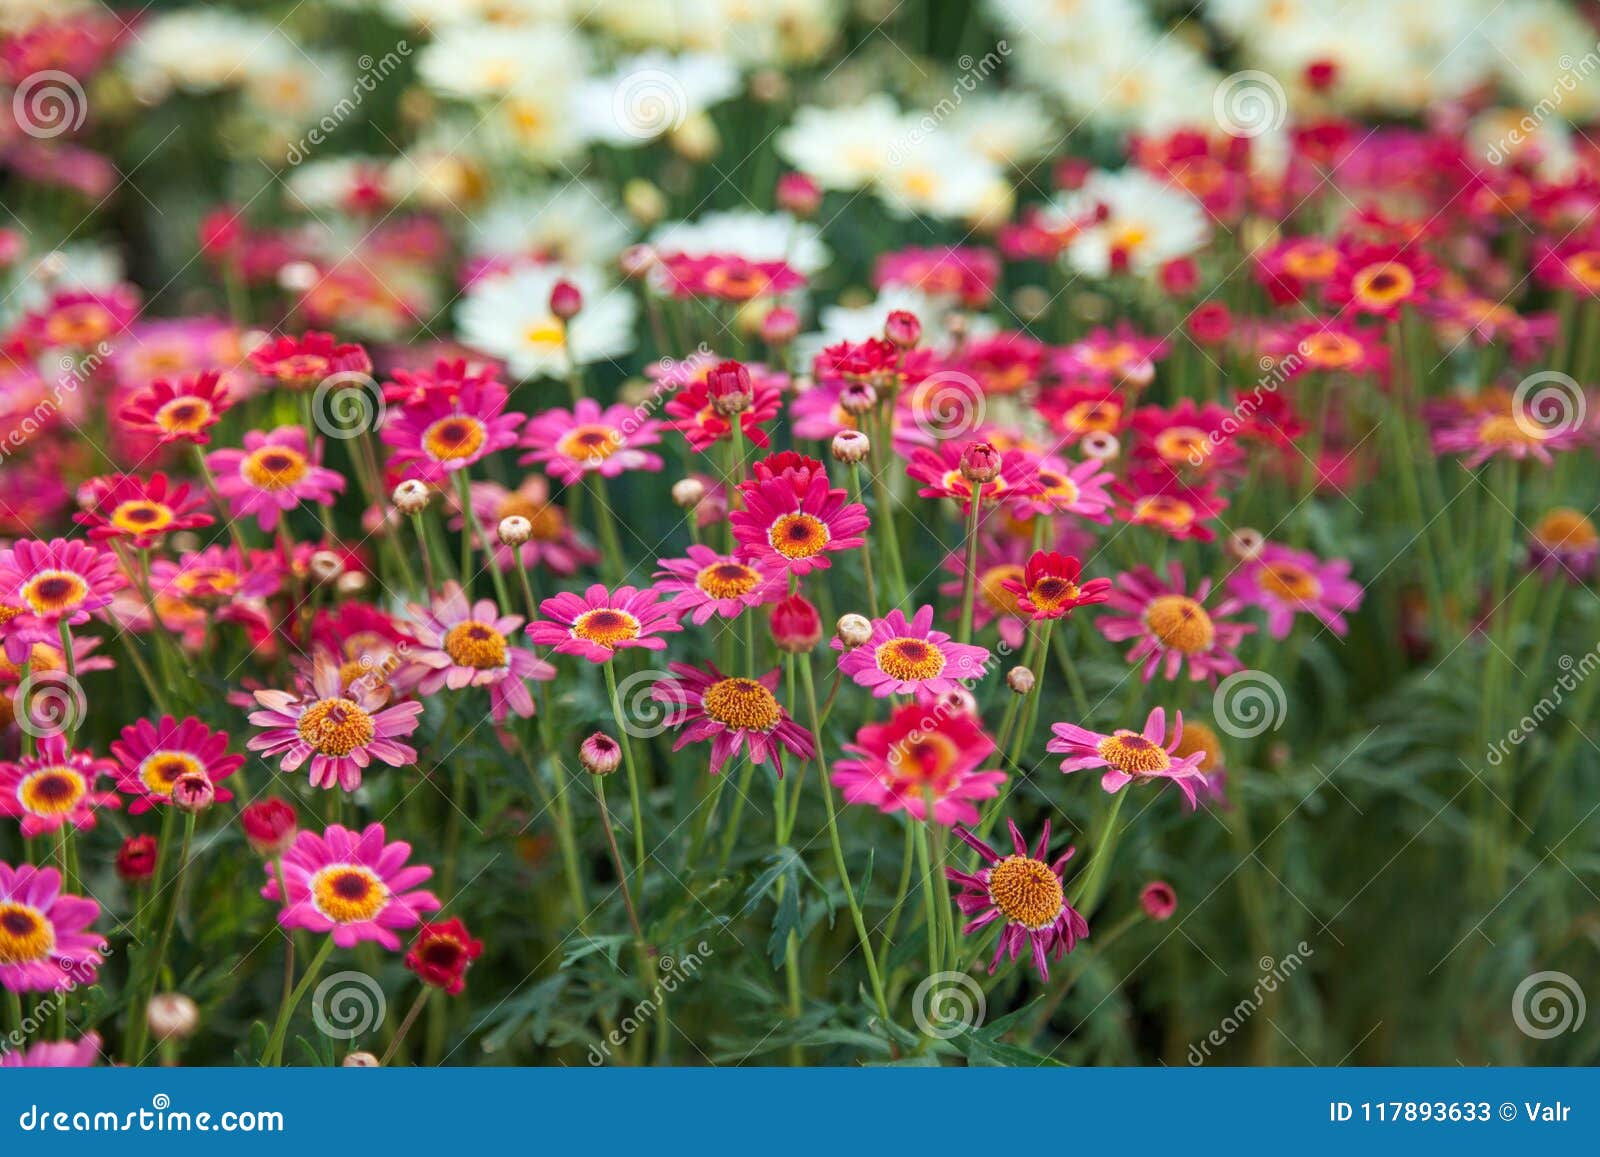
pixel 798 535
pixel 1133 754
pixel 336 726
pixel 911 660
pixel 1173 513
pixel 743 704
pixel 1311 262
pixel 1026 891
pixel 25 935
pixel 1292 583
pixel 1199 737
pixel 54 591
pixel 606 627
pixel 991 587
pixel 1565 528
pixel 1585 268
pixel 1331 351
pixel 161 769
pixel 727 580
pixel 590 443
pixel 52 791
pixel 475 644
pixel 348 893
pixel 1051 592
pixel 1060 489
pixel 138 516
pixel 184 415
pixel 457 436
pixel 274 468
pixel 1384 283
pixel 1180 623
pixel 1504 430
pixel 1183 444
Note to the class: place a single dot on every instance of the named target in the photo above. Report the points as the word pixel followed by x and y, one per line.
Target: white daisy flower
pixel 509 317
pixel 649 95
pixel 753 235
pixel 571 224
pixel 1147 223
pixel 843 148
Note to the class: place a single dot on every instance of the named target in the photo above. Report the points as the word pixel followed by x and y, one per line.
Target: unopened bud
pixel 854 630
pixel 980 463
pixel 1158 899
pixel 600 754
pixel 412 496
pixel 192 792
pixel 903 328
pixel 857 398
pixel 172 1016
pixel 326 566
pixel 851 446
pixel 514 530
pixel 360 1061
pixel 728 384
pixel 566 299
pixel 688 492
pixel 1020 679
pixel 1246 544
pixel 1100 446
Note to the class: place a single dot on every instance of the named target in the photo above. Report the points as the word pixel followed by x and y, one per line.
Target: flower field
pixel 799 532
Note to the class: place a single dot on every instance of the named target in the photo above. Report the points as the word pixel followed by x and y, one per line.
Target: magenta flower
pixel 46 582
pixel 152 756
pixel 53 788
pixel 82 1053
pixel 554 544
pixel 1067 488
pixel 707 583
pixel 904 657
pixel 1129 755
pixel 1024 890
pixel 273 473
pixel 734 713
pixel 587 439
pixel 465 645
pixel 1173 628
pixel 1283 582
pixel 44 942
pixel 920 753
pixel 351 884
pixel 444 432
pixel 598 623
pixel 141 510
pixel 339 729
pixel 795 533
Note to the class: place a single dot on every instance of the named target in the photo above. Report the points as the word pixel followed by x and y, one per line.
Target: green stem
pixel 274 1053
pixel 632 768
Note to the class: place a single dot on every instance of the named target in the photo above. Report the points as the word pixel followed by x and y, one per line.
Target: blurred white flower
pixel 749 234
pixel 1146 223
pixel 843 148
pixel 509 317
pixel 652 94
pixel 571 224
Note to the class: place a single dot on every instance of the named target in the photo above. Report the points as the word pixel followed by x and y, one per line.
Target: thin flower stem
pixel 1103 848
pixel 158 959
pixel 606 526
pixel 616 858
pixel 464 495
pixel 908 858
pixel 405 1025
pixel 222 506
pixel 631 766
pixel 273 1055
pixel 969 577
pixel 859 495
pixel 930 903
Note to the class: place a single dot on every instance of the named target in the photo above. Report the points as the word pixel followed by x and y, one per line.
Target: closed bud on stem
pixel 1246 544
pixel 687 492
pixel 359 1061
pixel 851 446
pixel 514 530
pixel 1100 446
pixel 1158 899
pixel 799 194
pixel 566 299
pixel 903 328
pixel 780 325
pixel 192 792
pixel 325 566
pixel 270 826
pixel 172 1016
pixel 858 398
pixel 1020 679
pixel 599 754
pixel 796 625
pixel 728 384
pixel 980 463
pixel 412 496
pixel 854 630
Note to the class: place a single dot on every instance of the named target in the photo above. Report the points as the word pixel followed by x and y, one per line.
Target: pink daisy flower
pixel 1026 891
pixel 151 757
pixel 939 471
pixel 218 574
pixel 351 884
pixel 1172 627
pixel 302 362
pixel 734 713
pixel 272 474
pixel 555 544
pixel 1129 755
pixel 904 657
pixel 339 729
pixel 465 645
pixel 1049 586
pixel 598 623
pixel 48 582
pixel 443 432
pixel 920 753
pixel 82 1053
pixel 44 942
pixel 587 439
pixel 707 583
pixel 54 788
pixel 140 510
pixel 693 415
pixel 794 533
pixel 1067 488
pixel 181 412
pixel 1283 581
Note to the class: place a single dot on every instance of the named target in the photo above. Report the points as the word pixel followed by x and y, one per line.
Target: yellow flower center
pixel 1585 268
pixel 457 436
pixel 1051 591
pixel 911 660
pixel 54 591
pixel 590 443
pixel 1311 262
pixel 727 580
pixel 1199 737
pixel 798 535
pixel 274 468
pixel 348 893
pixel 924 761
pixel 547 521
pixel 1504 430
pixel 990 586
pixel 1092 418
pixel 1133 754
pixel 606 627
pixel 743 704
pixel 547 334
pixel 1565 528
pixel 211 579
pixel 475 644
pixel 1026 891
pixel 138 516
pixel 1173 513
pixel 1183 444
pixel 1060 489
pixel 52 791
pixel 1384 283
pixel 161 769
pixel 1331 351
pixel 25 935
pixel 184 415
pixel 1289 582
pixel 1180 623
pixel 336 726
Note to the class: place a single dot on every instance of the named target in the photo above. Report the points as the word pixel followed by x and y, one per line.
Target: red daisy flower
pixel 449 430
pixel 178 412
pixel 1026 891
pixel 140 510
pixel 918 755
pixel 795 533
pixel 441 954
pixel 1049 589
pixel 302 362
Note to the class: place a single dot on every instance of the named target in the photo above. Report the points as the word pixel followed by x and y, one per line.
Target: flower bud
pixel 298 277
pixel 796 625
pixel 646 203
pixel 857 398
pixel 136 859
pixel 270 826
pixel 566 299
pixel 851 446
pixel 687 492
pixel 1246 544
pixel 514 530
pixel 412 496
pixel 599 754
pixel 171 1016
pixel 957 700
pixel 325 566
pixel 1158 900
pixel 1100 446
pixel 637 260
pixel 359 1061
pixel 728 384
pixel 903 328
pixel 193 793
pixel 799 194
pixel 1020 680
pixel 780 325
pixel 854 630
pixel 980 463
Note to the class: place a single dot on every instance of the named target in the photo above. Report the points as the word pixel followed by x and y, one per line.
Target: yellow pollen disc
pixel 274 468
pixel 7 613
pixel 336 726
pixel 605 626
pixel 547 334
pixel 184 415
pixel 1180 623
pixel 140 517
pixel 736 284
pixel 1092 418
pixel 1199 737
pixel 911 660
pixel 216 580
pixel 1133 754
pixel 1311 262
pixel 994 593
pixel 1183 444
pixel 727 580
pixel 457 436
pixel 1027 892
pixel 161 769
pixel 25 935
pixel 1292 583
pixel 590 443
pixel 52 791
pixel 1384 283
pixel 1585 268
pixel 1050 592
pixel 80 325
pixel 348 893
pixel 1503 430
pixel 1331 351
pixel 1170 512
pixel 798 535
pixel 1565 528
pixel 743 704
pixel 1060 489
pixel 54 591
pixel 475 644
pixel 923 762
